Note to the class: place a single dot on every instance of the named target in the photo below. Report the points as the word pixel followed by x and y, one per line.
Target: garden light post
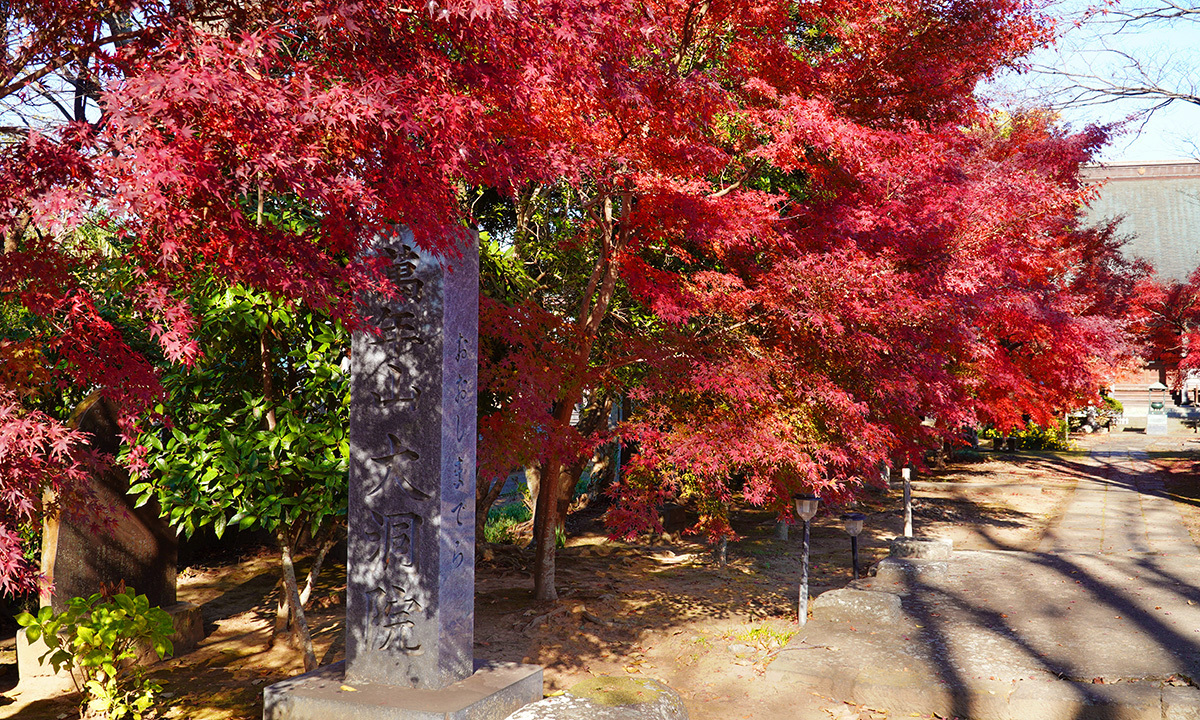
pixel 806 508
pixel 906 473
pixel 854 524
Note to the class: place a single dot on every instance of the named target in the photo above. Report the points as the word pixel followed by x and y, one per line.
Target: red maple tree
pixel 823 237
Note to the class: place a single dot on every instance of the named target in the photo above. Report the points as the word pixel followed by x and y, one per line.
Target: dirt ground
pixel 663 609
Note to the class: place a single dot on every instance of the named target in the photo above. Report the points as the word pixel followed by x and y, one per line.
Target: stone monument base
pixel 1156 425
pixel 494 692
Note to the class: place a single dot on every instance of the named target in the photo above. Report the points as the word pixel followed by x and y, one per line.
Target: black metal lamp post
pixel 854 525
pixel 806 508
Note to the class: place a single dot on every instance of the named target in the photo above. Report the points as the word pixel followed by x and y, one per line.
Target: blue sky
pixel 1097 49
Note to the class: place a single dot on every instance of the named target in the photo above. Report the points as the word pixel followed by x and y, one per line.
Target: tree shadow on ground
pixel 1062 662
pixel 615 597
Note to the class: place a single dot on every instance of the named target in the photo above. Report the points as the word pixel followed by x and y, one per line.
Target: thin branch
pixel 58 63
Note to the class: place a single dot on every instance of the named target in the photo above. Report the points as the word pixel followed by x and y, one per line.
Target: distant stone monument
pixel 410 588
pixel 136 545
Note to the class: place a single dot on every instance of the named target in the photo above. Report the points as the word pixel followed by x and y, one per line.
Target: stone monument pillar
pixel 410 587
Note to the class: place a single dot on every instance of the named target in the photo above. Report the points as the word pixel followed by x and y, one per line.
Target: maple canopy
pixel 787 230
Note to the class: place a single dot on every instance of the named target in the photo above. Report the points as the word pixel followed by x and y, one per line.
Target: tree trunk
pixel 324 545
pixel 596 299
pixel 283 613
pixel 567 482
pixel 299 624
pixel 546 513
pixel 486 494
pixel 533 479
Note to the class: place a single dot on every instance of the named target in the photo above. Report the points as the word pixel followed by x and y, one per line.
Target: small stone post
pixel 906 473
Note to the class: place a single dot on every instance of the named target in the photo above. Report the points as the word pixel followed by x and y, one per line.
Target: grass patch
pixel 766 637
pixel 502 521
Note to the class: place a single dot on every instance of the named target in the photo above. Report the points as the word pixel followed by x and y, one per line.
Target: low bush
pixel 98 638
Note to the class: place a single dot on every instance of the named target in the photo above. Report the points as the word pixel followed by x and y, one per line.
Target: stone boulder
pixel 922 548
pixel 609 698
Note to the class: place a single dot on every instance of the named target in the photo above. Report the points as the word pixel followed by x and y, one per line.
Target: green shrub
pixel 1035 437
pixel 97 638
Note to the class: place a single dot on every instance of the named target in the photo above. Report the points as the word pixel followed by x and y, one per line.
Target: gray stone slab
pixel 1073 700
pixel 609 698
pixel 1180 703
pixel 492 692
pixel 1025 619
pixel 1117 511
pixel 1156 425
pixel 410 588
pixel 902 570
pixel 410 547
pixel 189 631
pixel 863 606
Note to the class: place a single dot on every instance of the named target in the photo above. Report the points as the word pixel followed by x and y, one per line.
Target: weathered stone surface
pixel 492 692
pixel 411 580
pixel 848 605
pixel 1180 703
pixel 136 548
pixel 892 569
pixel 609 698
pixel 922 548
pixel 189 631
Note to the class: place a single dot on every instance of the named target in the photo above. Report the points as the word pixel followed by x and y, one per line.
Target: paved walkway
pixel 1103 621
pixel 1120 510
